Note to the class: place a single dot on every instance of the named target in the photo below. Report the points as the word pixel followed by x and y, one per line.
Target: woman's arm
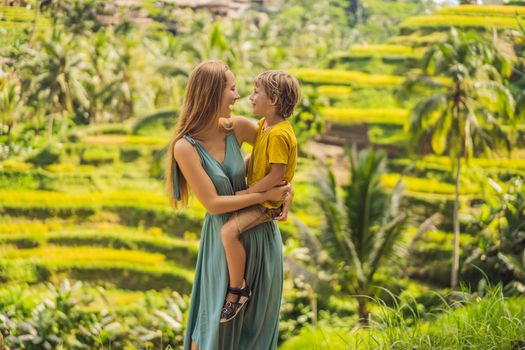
pixel 189 162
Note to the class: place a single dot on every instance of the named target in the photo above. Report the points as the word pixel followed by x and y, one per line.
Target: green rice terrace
pixel 407 230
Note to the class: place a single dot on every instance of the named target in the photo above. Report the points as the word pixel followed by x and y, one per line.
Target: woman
pixel 209 160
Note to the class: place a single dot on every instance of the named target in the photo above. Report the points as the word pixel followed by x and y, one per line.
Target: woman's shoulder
pixel 244 129
pixel 240 121
pixel 181 148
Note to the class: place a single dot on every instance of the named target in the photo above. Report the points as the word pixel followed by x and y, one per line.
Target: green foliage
pixel 182 252
pixel 461 120
pixel 48 155
pixel 485 10
pixel 130 154
pixel 307 121
pixel 444 22
pixel 480 321
pixel 98 156
pixel 153 123
pixel 150 211
pixel 296 309
pixel 361 229
pixel 341 77
pixel 500 246
pixel 381 18
pixel 65 319
pixel 368 98
pixel 58 321
pixel 348 115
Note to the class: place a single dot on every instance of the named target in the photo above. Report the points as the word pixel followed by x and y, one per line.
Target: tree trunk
pixel 50 127
pixel 356 8
pixel 363 312
pixel 455 263
pixel 9 129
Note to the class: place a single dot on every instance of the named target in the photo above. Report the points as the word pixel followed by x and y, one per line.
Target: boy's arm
pixel 286 205
pixel 272 179
pixel 246 163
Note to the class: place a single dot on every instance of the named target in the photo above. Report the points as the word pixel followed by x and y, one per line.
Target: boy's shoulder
pixel 283 129
pixel 284 126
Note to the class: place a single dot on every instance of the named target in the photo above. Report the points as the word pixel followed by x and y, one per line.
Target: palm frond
pixel 501 96
pixel 310 241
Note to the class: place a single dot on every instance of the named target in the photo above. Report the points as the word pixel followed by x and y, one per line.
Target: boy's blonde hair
pixel 282 88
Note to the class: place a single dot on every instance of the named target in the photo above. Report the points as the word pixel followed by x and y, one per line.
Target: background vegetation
pixel 413 238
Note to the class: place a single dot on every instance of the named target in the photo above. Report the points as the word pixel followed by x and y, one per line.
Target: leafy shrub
pixel 130 153
pixel 48 155
pixel 66 319
pixel 158 121
pixel 98 156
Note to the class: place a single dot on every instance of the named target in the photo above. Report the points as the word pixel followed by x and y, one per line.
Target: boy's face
pixel 261 103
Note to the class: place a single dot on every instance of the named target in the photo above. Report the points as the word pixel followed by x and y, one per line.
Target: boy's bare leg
pixel 194 345
pixel 235 255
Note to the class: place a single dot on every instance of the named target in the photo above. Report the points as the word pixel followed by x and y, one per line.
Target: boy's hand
pixel 286 205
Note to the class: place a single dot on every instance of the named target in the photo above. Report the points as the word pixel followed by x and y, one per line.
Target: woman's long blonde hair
pixel 201 105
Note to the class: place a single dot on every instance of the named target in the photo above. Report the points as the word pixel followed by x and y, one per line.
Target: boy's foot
pixel 230 309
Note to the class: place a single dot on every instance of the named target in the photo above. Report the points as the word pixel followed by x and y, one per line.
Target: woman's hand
pixel 286 205
pixel 278 193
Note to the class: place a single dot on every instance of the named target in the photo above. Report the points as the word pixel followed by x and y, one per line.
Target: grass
pixel 56 254
pixel 134 270
pixel 385 50
pixel 125 140
pixel 485 10
pixel 366 115
pixel 343 77
pixel 379 135
pixel 446 21
pixel 502 163
pixel 428 185
pixel 19 17
pixel 489 321
pixel 334 91
pixel 181 251
pixel 127 207
pixel 418 39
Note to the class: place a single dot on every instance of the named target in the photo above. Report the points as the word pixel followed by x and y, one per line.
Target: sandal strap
pixel 241 292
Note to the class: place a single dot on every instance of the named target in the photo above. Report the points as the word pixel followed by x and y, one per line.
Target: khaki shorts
pixel 250 217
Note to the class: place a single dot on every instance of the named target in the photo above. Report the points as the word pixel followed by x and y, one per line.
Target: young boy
pixel 272 161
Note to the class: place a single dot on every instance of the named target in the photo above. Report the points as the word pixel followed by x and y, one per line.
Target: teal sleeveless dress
pixel 256 327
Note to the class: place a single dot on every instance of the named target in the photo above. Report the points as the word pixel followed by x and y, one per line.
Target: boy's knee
pixel 229 230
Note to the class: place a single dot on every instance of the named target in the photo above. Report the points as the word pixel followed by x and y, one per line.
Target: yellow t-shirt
pixel 275 145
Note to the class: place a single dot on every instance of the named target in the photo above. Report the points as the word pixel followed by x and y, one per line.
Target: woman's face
pixel 229 96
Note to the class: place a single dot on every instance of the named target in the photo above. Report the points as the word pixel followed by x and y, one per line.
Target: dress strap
pixel 189 139
pixel 174 170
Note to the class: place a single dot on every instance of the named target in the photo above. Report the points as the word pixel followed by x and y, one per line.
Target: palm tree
pixel 10 106
pixel 363 227
pixel 53 79
pixel 465 117
pixel 501 246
